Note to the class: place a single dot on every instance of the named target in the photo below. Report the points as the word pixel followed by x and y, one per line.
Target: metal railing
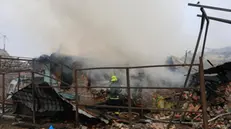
pixel 128 87
pixel 17 74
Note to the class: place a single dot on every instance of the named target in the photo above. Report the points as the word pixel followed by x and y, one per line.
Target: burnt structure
pixel 47 102
pixel 214 77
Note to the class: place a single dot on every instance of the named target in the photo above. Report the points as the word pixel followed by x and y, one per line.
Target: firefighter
pixel 114 91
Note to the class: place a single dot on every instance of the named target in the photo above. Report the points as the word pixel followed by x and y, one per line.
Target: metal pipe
pixel 19 77
pixel 209 7
pixel 33 93
pixel 3 93
pixel 10 58
pixel 136 67
pixel 50 74
pixel 173 88
pixel 172 101
pixel 217 19
pixel 206 30
pixel 20 57
pixel 19 80
pixel 138 108
pixel 204 14
pixel 0 62
pixel 195 50
pixel 33 96
pixel 210 63
pixel 203 95
pixel 61 75
pixel 205 37
pixel 192 61
pixel 76 99
pixel 129 97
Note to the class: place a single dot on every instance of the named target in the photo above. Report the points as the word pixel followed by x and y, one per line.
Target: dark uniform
pixel 114 92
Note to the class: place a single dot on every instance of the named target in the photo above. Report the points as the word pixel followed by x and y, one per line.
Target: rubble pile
pixel 218 110
pixel 59 104
pixel 219 114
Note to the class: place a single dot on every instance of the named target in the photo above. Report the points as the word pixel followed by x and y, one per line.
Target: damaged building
pixel 64 89
pixel 55 94
pixel 50 100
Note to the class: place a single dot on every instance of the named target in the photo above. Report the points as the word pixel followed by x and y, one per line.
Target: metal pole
pixel 218 19
pixel 205 37
pixel 209 7
pixel 61 74
pixel 137 67
pixel 0 62
pixel 203 95
pixel 195 50
pixel 129 97
pixel 50 75
pixel 210 63
pixel 206 30
pixel 192 61
pixel 3 93
pixel 33 92
pixel 76 99
pixel 19 80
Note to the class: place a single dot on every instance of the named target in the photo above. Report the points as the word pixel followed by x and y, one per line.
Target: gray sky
pixel 102 28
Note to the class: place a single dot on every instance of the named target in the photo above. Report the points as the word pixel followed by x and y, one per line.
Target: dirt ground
pixel 7 124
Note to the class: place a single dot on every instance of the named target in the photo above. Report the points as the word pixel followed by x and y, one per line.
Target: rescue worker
pixel 114 91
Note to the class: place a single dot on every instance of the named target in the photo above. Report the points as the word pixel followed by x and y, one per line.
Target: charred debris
pixel 48 95
pixel 55 98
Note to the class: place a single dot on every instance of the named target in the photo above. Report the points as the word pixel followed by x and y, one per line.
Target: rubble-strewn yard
pixel 219 116
pixel 56 105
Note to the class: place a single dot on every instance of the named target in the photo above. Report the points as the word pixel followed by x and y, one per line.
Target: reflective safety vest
pixel 114 98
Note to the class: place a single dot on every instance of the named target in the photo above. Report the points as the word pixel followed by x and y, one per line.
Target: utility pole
pixel 4 42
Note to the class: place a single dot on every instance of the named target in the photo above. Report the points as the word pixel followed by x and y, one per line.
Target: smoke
pixel 112 32
pixel 122 32
pixel 118 31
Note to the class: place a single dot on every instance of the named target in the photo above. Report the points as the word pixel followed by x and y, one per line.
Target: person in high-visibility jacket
pixel 115 91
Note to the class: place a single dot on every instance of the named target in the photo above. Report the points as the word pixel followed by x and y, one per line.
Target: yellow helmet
pixel 113 78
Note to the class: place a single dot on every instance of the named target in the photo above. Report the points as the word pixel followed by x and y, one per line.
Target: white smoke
pixel 120 32
pixel 112 32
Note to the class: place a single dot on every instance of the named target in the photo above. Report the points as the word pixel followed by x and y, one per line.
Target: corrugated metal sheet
pixel 46 99
pixel 51 99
